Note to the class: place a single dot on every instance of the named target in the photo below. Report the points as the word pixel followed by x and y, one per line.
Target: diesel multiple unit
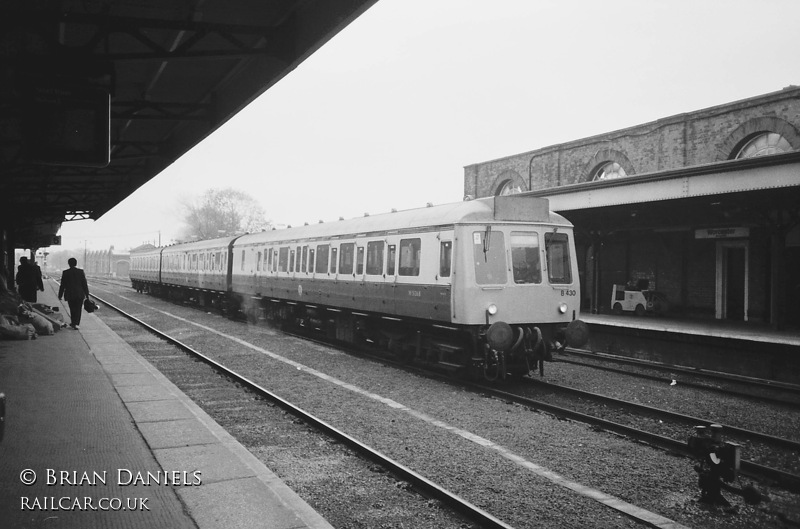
pixel 485 287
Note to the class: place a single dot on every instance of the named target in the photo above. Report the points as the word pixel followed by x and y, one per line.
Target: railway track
pixel 773 448
pixel 419 483
pixel 759 389
pixel 662 461
pixel 583 406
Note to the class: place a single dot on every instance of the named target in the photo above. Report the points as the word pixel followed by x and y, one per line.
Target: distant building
pixel 107 263
pixel 702 206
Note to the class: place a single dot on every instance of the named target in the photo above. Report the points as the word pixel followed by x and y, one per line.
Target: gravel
pixel 431 435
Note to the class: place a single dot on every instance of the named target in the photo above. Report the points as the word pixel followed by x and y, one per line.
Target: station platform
pixel 95 436
pixel 736 348
pixel 712 328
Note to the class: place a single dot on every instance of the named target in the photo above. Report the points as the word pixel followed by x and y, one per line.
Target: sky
pixel 389 112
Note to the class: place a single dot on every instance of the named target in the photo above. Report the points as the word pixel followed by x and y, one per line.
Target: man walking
pixel 74 289
pixel 29 280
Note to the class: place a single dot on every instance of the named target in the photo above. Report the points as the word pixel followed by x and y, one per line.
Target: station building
pixel 703 207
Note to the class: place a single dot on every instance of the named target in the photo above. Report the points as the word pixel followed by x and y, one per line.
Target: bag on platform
pixel 89 305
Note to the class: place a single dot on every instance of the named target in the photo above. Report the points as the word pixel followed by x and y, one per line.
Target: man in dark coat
pixel 28 279
pixel 74 289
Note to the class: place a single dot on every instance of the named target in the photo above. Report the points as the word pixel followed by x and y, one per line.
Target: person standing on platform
pixel 28 279
pixel 74 289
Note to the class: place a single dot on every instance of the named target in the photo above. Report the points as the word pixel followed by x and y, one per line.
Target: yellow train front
pixel 487 288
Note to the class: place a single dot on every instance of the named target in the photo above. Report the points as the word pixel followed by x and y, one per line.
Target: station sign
pixel 722 233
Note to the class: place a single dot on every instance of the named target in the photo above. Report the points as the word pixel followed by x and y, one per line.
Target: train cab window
pixel 323 252
pixel 334 251
pixel 243 254
pixel 559 269
pixel 283 259
pixel 375 258
pixel 304 264
pixel 311 262
pixel 346 257
pixel 445 258
pixel 391 260
pixel 489 255
pixel 410 250
pixel 525 260
pixel 360 261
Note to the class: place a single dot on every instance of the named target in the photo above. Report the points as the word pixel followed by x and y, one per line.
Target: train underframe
pixel 475 352
pixel 467 351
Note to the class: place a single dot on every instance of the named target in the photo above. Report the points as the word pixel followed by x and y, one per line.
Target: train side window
pixel 375 258
pixel 391 260
pixel 360 261
pixel 525 260
pixel 334 260
pixel 283 259
pixel 268 267
pixel 445 258
pixel 410 250
pixel 258 262
pixel 291 260
pixel 304 264
pixel 346 255
pixel 311 262
pixel 556 247
pixel 489 255
pixel 323 252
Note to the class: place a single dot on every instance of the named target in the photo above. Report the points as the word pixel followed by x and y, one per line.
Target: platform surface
pixel 95 436
pixel 715 328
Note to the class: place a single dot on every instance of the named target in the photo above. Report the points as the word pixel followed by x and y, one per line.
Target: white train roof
pixel 493 209
pixel 220 242
pixel 513 208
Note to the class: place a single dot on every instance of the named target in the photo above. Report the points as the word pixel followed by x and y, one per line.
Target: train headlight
pixel 562 308
pixel 492 309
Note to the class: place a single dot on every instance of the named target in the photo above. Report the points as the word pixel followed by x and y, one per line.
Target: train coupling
pixel 717 464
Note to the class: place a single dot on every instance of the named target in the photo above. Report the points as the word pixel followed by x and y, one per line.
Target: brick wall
pixel 693 138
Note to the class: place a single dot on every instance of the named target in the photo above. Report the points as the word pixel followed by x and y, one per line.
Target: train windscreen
pixel 489 251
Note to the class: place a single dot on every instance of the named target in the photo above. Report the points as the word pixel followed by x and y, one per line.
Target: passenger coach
pixel 487 285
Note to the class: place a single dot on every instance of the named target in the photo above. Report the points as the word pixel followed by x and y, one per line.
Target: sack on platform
pixel 42 325
pixel 11 329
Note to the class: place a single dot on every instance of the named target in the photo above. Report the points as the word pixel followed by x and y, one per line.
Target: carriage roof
pixel 482 211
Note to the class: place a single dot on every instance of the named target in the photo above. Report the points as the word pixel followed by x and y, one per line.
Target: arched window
pixel 764 144
pixel 509 188
pixel 608 171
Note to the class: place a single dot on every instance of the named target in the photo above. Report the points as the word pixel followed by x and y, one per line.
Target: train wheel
pixel 640 311
pixel 617 309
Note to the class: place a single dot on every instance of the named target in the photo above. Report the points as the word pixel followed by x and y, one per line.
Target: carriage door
pixel 732 280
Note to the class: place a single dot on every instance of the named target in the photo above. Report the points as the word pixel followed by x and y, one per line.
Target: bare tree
pixel 221 212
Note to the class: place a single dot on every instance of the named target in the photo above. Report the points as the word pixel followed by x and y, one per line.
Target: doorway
pixel 732 280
